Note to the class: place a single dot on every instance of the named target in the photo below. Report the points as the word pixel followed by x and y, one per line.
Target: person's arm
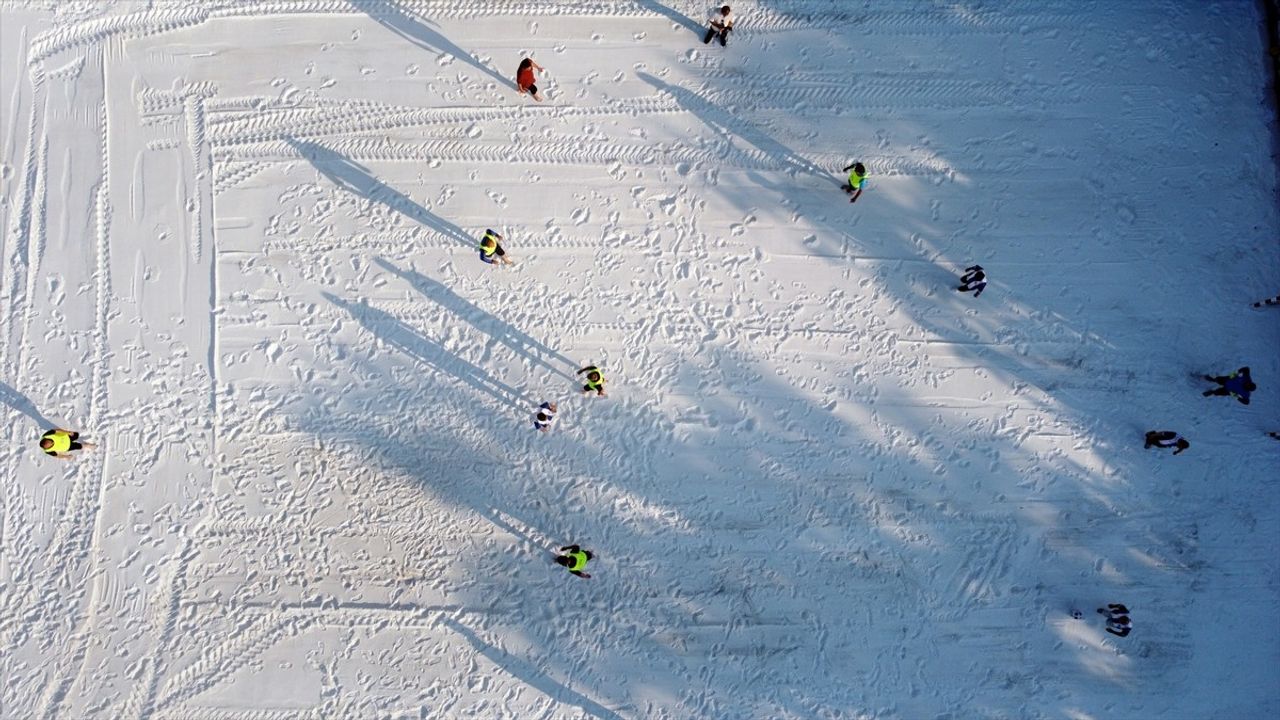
pixel 570 548
pixel 850 167
pixel 981 286
pixel 580 574
pixel 588 368
pixel 535 65
pixel 971 268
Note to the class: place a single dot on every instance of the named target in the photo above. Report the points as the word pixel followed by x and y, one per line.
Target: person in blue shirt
pixel 1238 385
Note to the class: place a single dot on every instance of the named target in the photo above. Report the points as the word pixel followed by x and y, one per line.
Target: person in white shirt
pixel 720 23
pixel 546 417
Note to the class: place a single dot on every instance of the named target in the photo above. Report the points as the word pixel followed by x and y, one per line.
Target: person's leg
pixel 724 38
pixel 1113 632
pixel 76 446
pixel 73 435
pixel 1216 391
pixel 589 555
pixel 711 32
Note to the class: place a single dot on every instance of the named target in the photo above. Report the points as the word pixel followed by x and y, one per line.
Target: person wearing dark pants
pixel 974 280
pixel 60 443
pixel 1238 385
pixel 1166 439
pixel 719 24
pixel 575 558
pixel 595 380
pixel 1118 622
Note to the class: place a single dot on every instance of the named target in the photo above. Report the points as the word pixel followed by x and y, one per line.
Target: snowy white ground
pixel 237 252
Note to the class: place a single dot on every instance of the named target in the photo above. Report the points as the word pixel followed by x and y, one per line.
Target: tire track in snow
pixel 250 639
pixel 21 273
pixel 891 92
pixel 347 118
pixel 75 535
pixel 167 19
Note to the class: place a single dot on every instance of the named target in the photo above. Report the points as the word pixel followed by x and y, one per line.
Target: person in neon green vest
pixel 595 380
pixel 575 558
pixel 857 179
pixel 490 251
pixel 59 443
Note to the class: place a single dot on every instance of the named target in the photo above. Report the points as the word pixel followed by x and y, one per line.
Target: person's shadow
pixel 356 179
pixel 391 16
pixel 527 673
pixel 409 341
pixel 519 342
pixel 676 17
pixel 23 404
pixel 727 125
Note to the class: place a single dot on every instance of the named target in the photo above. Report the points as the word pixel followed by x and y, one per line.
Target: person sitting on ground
pixel 1118 622
pixel 1166 439
pixel 1238 385
pixel 720 23
pixel 60 443
pixel 575 559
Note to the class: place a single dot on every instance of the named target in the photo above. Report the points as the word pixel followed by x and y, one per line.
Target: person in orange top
pixel 525 79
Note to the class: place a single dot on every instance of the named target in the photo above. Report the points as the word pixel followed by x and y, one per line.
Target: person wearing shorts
pixel 490 251
pixel 525 80
pixel 60 443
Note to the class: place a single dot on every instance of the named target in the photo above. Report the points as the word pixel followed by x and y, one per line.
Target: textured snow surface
pixel 238 252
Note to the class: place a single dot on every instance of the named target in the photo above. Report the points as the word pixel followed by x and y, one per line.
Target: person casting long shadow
pixel 357 180
pixel 519 342
pixel 409 341
pixel 403 23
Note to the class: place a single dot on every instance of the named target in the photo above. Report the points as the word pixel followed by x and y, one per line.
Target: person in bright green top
pixel 575 558
pixel 59 443
pixel 856 180
pixel 490 251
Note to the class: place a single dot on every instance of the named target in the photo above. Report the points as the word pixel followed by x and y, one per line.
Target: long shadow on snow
pixel 356 179
pixel 23 404
pixel 526 672
pixel 407 340
pixel 673 15
pixel 727 125
pixel 519 342
pixel 390 15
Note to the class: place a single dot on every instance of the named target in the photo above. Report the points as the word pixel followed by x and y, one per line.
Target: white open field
pixel 238 252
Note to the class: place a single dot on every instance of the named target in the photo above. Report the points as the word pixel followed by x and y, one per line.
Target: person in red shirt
pixel 525 79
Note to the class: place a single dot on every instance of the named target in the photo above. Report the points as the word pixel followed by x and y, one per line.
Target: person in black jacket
pixel 1166 439
pixel 1118 622
pixel 974 280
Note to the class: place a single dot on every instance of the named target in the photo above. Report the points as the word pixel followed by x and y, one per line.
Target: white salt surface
pixel 238 252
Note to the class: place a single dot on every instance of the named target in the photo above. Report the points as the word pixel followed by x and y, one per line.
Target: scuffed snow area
pixel 239 253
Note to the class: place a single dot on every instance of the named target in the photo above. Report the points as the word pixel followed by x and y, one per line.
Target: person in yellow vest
pixel 575 558
pixel 59 443
pixel 857 178
pixel 490 251
pixel 595 380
